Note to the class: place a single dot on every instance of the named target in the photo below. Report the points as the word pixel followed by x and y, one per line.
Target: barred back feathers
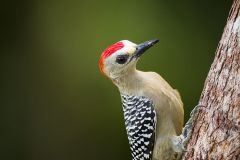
pixel 140 121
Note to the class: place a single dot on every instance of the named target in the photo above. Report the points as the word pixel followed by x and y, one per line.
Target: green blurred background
pixel 55 103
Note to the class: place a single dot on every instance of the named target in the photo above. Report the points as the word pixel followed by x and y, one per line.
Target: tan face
pixel 121 57
pixel 121 61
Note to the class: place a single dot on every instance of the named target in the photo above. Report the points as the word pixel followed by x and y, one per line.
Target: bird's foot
pixel 188 128
pixel 180 142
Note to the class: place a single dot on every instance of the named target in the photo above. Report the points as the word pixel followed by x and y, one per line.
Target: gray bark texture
pixel 216 128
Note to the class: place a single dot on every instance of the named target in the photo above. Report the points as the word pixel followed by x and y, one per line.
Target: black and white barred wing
pixel 140 121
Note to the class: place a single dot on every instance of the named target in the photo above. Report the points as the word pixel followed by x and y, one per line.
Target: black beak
pixel 141 48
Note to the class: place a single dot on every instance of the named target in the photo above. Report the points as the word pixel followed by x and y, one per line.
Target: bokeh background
pixel 54 102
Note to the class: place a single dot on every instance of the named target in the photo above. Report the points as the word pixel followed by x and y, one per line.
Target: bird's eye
pixel 121 59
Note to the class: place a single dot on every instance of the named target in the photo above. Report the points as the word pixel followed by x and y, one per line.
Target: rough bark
pixel 216 131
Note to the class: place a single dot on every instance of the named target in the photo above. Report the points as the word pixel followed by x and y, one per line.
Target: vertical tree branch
pixel 216 132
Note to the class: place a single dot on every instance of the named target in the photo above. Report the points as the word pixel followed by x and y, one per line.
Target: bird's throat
pixel 129 83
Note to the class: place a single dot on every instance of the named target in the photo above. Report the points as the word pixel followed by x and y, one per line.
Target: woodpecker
pixel 153 110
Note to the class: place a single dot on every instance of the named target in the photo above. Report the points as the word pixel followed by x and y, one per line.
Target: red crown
pixel 109 51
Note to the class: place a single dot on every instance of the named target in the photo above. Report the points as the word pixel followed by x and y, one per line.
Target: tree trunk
pixel 216 131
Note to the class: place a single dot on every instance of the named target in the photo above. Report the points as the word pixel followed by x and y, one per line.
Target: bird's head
pixel 121 57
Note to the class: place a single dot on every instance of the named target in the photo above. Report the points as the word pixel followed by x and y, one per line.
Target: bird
pixel 153 110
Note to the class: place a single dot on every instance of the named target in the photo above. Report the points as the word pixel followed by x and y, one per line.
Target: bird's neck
pixel 129 83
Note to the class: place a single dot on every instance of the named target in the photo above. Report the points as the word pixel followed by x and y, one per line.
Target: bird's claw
pixel 187 130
